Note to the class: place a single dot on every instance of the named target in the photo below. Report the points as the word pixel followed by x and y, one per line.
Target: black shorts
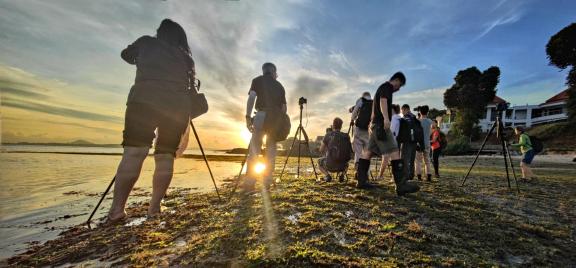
pixel 142 119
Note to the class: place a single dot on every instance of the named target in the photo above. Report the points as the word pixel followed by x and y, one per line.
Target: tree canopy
pixel 561 50
pixel 469 95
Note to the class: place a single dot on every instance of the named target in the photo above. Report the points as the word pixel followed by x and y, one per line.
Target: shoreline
pixel 304 223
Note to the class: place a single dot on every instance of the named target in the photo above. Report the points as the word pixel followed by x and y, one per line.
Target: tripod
pixel 505 151
pixel 298 135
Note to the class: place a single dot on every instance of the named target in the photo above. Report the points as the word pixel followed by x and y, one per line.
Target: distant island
pixel 83 143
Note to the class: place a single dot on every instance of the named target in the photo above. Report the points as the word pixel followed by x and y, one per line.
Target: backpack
pixel 410 130
pixel 442 140
pixel 364 114
pixel 339 151
pixel 537 144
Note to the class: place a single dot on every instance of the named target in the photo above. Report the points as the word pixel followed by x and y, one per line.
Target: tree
pixel 469 95
pixel 561 50
pixel 433 113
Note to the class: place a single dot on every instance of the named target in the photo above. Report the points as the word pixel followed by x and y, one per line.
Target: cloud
pixel 434 98
pixel 22 93
pixel 507 19
pixel 62 111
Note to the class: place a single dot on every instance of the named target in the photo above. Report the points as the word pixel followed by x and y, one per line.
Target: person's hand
pixel 386 124
pixel 249 125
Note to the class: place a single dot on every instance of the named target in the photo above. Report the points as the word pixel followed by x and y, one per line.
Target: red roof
pixel 562 96
pixel 498 100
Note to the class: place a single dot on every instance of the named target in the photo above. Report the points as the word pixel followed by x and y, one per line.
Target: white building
pixel 554 109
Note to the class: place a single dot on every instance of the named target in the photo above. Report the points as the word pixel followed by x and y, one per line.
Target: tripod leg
pixel 478 154
pixel 237 181
pixel 309 151
pixel 289 153
pixel 299 144
pixel 100 202
pixel 511 165
pixel 504 151
pixel 205 159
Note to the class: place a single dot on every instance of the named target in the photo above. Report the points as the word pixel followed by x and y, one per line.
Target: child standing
pixel 527 153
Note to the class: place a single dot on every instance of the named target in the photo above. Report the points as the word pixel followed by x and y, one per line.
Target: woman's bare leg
pixel 126 176
pixel 162 177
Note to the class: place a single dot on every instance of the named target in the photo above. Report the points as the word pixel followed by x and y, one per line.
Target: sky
pixel 62 78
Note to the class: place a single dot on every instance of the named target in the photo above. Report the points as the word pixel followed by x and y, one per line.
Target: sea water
pixel 42 194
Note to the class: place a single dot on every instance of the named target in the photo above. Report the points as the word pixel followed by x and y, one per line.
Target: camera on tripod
pixel 502 106
pixel 302 101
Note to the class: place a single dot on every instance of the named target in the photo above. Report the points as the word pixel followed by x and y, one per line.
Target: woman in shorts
pixel 158 100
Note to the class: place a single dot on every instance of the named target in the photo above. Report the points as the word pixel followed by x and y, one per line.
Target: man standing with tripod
pixel 382 140
pixel 270 99
pixel 361 120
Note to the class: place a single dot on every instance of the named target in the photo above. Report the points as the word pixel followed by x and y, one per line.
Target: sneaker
pixel 341 178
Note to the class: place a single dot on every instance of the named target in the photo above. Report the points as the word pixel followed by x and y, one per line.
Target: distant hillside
pixel 81 142
pixel 557 137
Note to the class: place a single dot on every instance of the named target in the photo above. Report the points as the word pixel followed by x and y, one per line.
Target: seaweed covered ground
pixel 302 222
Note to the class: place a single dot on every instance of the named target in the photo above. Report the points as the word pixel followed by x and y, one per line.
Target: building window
pixel 537 113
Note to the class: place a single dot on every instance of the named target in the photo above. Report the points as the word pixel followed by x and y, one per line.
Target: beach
pixel 47 189
pixel 302 222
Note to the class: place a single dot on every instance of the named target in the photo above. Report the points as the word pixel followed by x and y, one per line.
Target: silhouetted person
pixel 361 120
pixel 159 99
pixel 382 141
pixel 336 150
pixel 270 98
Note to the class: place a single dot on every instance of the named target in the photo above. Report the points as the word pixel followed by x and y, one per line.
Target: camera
pixel 302 101
pixel 503 106
pixel 417 109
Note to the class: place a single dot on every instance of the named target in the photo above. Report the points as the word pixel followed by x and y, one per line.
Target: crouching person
pixel 337 151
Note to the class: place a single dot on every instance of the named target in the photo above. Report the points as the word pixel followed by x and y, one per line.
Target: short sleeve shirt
pixel 270 94
pixel 384 91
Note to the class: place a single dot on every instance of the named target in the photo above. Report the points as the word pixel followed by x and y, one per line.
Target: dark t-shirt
pixel 161 73
pixel 384 91
pixel 270 94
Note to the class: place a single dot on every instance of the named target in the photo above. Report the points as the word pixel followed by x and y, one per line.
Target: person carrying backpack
pixel 410 138
pixel 528 152
pixel 361 120
pixel 337 151
pixel 436 141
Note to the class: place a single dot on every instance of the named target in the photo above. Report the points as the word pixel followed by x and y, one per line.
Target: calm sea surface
pixel 42 194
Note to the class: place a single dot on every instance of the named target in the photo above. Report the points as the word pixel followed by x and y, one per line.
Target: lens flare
pixel 259 168
pixel 246 135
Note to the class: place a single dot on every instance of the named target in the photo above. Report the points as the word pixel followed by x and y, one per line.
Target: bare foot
pixel 152 213
pixel 116 217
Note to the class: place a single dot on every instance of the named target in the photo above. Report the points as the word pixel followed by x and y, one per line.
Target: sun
pixel 246 135
pixel 259 168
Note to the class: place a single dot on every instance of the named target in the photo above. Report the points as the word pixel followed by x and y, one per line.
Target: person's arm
pixel 249 108
pixel 130 54
pixel 384 110
pixel 356 109
pixel 322 148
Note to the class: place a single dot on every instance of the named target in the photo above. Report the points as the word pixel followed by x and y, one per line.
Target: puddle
pixel 136 222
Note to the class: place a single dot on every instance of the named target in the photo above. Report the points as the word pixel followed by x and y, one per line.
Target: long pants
pixel 423 156
pixel 256 148
pixel 360 142
pixel 408 156
pixel 435 155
